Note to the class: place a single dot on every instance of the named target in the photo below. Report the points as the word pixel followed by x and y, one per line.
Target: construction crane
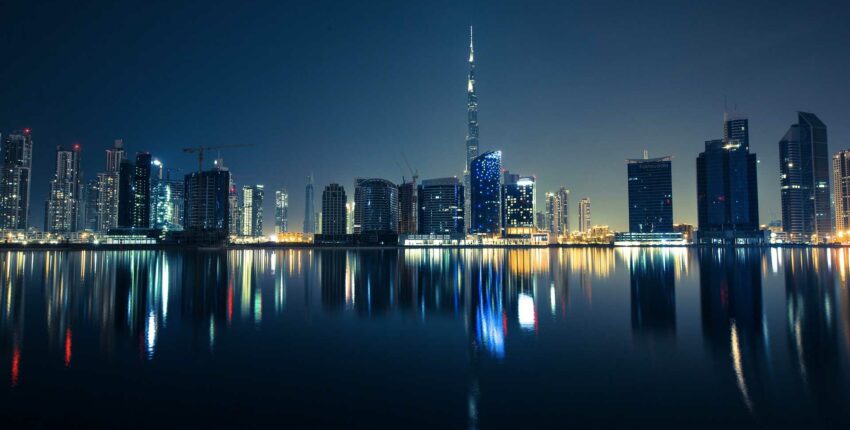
pixel 200 151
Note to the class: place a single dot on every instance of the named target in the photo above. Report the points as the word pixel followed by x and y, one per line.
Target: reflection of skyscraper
pixel 804 179
pixel 484 176
pixel 332 272
pixel 16 159
pixel 732 317
pixel 653 294
pixel 813 327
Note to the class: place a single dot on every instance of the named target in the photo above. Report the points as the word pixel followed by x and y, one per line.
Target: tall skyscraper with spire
pixel 309 211
pixel 472 127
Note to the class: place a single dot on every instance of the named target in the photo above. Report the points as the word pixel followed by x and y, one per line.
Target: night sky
pixel 567 90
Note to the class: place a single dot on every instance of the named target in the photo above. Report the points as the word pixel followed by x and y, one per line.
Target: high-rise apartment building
pixel 552 215
pixel 727 187
pixel 375 206
pixel 441 206
pixel 108 188
pixel 142 191
pixel 334 214
pixel 841 190
pixel 584 223
pixel 518 207
pixel 207 201
pixel 63 203
pixel 252 210
pixel 650 195
pixel 804 180
pixel 16 159
pixel 126 195
pixel 564 199
pixel 484 176
pixel 281 211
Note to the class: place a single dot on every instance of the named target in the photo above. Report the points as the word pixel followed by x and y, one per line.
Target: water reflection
pixel 532 312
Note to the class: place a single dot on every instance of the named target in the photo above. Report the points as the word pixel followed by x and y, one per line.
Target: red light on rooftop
pixel 26 131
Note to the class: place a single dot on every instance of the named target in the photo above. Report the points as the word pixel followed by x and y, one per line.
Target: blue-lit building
pixel 518 207
pixel 650 195
pixel 804 180
pixel 375 206
pixel 727 188
pixel 441 206
pixel 485 172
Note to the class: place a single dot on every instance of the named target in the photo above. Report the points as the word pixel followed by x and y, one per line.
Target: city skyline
pixel 561 144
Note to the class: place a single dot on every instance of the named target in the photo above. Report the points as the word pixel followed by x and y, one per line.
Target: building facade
pixel 564 223
pixel 142 190
pixel 207 201
pixel 650 195
pixel 727 188
pixel 126 197
pixel 281 211
pixel 518 207
pixel 441 206
pixel 841 192
pixel 804 180
pixel 63 203
pixel 309 207
pixel 408 207
pixel 552 215
pixel 16 159
pixel 584 223
pixel 484 176
pixel 375 206
pixel 252 210
pixel 334 213
pixel 471 131
pixel 108 188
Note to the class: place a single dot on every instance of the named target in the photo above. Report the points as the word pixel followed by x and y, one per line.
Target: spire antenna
pixel 471 46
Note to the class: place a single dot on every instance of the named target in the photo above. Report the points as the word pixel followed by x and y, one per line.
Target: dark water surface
pixel 569 338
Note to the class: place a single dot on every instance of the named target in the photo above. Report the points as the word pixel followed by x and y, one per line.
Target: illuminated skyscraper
pixel 471 129
pixel 518 206
pixel 334 215
pixel 485 172
pixel 727 187
pixel 441 206
pixel 126 198
pixel 108 188
pixel 584 224
pixel 166 200
pixel 564 200
pixel 142 191
pixel 63 203
pixel 252 210
pixel 16 155
pixel 841 187
pixel 281 210
pixel 90 197
pixel 552 215
pixel 650 184
pixel 309 207
pixel 376 206
pixel 804 179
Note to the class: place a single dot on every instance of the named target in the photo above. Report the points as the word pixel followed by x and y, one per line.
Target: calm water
pixel 571 338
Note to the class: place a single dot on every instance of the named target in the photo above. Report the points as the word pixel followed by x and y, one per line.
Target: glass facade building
pixel 309 207
pixel 841 189
pixel 804 180
pixel 281 211
pixel 650 195
pixel 375 206
pixel 727 187
pixel 252 210
pixel 142 191
pixel 485 172
pixel 334 213
pixel 407 203
pixel 441 206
